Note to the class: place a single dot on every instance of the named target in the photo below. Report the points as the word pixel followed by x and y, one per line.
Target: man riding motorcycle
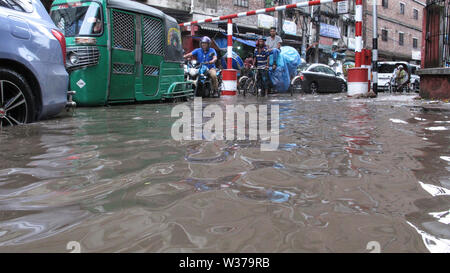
pixel 261 61
pixel 206 54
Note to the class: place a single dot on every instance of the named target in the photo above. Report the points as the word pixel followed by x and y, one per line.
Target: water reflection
pixel 346 173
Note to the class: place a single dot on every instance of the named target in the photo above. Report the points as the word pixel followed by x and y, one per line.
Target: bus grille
pixel 87 56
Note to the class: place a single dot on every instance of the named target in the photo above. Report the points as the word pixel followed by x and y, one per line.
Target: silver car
pixel 33 78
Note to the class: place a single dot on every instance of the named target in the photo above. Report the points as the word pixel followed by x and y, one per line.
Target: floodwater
pixel 347 172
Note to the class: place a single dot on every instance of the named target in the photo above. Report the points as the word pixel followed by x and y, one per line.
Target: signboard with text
pixel 342 7
pixel 330 31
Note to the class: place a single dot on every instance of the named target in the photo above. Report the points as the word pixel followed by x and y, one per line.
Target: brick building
pixel 399 29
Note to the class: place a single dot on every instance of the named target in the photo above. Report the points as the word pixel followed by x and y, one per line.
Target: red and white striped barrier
pixel 357 81
pixel 358 77
pixel 229 75
pixel 261 11
pixel 358 32
pixel 229 79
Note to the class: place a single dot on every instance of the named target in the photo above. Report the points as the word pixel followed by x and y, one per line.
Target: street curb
pixel 436 108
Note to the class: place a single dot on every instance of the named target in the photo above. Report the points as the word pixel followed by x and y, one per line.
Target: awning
pixel 211 27
pixel 245 42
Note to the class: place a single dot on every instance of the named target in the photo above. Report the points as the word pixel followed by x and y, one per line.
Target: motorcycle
pixel 198 74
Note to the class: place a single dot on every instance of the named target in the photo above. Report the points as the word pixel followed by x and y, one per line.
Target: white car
pixel 386 73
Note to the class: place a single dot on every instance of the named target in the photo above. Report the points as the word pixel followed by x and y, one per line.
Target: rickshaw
pixel 121 51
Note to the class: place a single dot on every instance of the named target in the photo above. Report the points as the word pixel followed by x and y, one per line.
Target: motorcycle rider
pixel 261 60
pixel 206 54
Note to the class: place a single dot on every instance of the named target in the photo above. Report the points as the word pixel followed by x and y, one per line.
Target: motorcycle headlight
pixel 194 62
pixel 193 72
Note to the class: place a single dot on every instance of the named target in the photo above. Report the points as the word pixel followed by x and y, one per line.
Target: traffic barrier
pixel 229 79
pixel 231 88
pixel 357 81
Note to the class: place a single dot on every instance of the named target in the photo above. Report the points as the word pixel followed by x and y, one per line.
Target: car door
pixel 326 79
pixel 312 75
pixel 333 82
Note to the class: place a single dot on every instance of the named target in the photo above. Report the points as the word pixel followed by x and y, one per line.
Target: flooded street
pixel 347 172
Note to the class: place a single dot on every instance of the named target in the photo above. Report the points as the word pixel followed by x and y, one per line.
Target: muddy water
pixel 347 172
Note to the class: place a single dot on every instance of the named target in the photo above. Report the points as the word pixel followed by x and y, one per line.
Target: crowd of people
pixel 265 47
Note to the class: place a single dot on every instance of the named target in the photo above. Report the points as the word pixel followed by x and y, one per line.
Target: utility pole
pixel 280 19
pixel 375 48
pixel 304 31
pixel 317 21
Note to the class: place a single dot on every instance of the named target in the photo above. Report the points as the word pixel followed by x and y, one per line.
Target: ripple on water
pixel 346 172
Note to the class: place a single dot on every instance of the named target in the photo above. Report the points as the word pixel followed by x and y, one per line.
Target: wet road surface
pixel 347 172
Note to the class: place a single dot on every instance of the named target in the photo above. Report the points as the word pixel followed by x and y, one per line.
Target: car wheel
pixel 343 88
pixel 296 86
pixel 313 88
pixel 16 99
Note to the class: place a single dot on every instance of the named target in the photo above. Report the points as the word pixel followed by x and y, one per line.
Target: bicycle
pixel 251 84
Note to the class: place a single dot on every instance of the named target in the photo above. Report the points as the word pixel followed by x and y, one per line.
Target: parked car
pixel 33 78
pixel 318 78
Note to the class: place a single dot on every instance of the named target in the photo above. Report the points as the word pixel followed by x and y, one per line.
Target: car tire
pixel 313 88
pixel 296 86
pixel 343 88
pixel 17 104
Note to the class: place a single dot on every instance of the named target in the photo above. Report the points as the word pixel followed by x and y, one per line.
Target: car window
pixel 386 68
pixel 19 5
pixel 328 71
pixel 316 69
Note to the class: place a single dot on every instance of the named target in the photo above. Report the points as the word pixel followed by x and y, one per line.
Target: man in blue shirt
pixel 261 61
pixel 206 54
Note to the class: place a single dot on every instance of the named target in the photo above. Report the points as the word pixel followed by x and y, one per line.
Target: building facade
pixel 399 29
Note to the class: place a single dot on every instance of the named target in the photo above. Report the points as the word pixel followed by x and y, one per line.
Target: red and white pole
pixel 358 77
pixel 230 44
pixel 358 32
pixel 229 75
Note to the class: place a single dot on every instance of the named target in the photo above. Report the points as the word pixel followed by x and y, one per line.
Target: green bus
pixel 121 51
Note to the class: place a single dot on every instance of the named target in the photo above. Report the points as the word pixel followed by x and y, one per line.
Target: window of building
pixel 207 4
pixel 384 3
pixel 416 14
pixel 401 38
pixel 241 3
pixel 384 35
pixel 415 43
pixel 402 8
